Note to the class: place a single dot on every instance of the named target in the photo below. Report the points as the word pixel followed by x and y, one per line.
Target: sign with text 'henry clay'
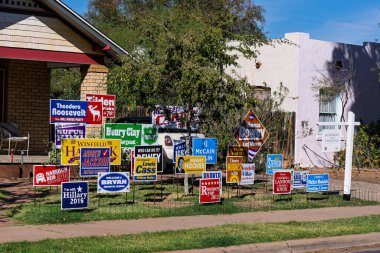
pixel 108 101
pixel 50 175
pixel 234 167
pixel 282 182
pixel 75 111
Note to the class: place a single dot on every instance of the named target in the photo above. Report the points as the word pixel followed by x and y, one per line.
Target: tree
pixel 65 84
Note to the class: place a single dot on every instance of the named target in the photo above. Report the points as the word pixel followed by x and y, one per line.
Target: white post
pixel 349 151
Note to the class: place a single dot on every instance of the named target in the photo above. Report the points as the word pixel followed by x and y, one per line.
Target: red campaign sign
pixel 209 190
pixel 108 101
pixel 50 175
pixel 282 182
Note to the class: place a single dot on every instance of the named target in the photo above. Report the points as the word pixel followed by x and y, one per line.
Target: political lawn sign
pixel 108 102
pixel 50 175
pixel 234 167
pixel 282 182
pixel 206 147
pixel 179 150
pixel 300 179
pixel 93 161
pixel 70 151
pixel 239 151
pixel 330 140
pixel 190 164
pixel 317 182
pixel 68 131
pixel 75 111
pixel 113 182
pixel 132 161
pixel 213 175
pixel 247 174
pixel 209 191
pixel 274 162
pixel 145 169
pixel 151 151
pixel 74 195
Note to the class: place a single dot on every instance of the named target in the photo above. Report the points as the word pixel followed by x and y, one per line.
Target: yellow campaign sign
pixel 190 164
pixel 234 168
pixel 145 169
pixel 70 152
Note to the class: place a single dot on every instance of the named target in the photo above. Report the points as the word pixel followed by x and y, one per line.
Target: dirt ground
pixel 362 175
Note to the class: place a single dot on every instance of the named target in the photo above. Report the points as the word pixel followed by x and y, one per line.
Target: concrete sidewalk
pixel 124 227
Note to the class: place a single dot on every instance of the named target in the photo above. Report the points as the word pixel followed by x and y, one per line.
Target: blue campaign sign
pixel 317 182
pixel 212 175
pixel 206 147
pixel 274 162
pixel 74 195
pixel 179 150
pixel 112 182
pixel 93 161
pixel 300 179
pixel 68 111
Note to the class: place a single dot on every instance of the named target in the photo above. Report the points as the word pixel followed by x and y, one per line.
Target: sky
pixel 346 21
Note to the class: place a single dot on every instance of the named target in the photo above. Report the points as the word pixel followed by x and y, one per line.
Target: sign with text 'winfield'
pixel 113 182
pixel 75 111
pixel 93 161
pixel 50 175
pixel 209 191
pixel 108 102
pixel 74 195
pixel 282 182
pixel 206 147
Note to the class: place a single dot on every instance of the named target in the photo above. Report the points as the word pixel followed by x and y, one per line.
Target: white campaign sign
pixel 331 140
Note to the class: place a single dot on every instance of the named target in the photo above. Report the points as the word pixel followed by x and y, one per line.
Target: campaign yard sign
pixel 74 195
pixel 145 169
pixel 190 164
pixel 179 150
pixel 108 102
pixel 317 182
pixel 234 167
pixel 247 174
pixel 300 179
pixel 50 175
pixel 151 151
pixel 93 161
pixel 132 161
pixel 282 182
pixel 68 131
pixel 75 111
pixel 70 151
pixel 206 147
pixel 239 151
pixel 274 162
pixel 209 191
pixel 113 182
pixel 213 175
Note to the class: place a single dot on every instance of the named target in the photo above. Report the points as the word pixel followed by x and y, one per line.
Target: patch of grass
pixel 219 236
pixel 5 194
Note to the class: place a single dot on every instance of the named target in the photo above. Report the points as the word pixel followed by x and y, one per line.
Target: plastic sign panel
pixel 93 161
pixel 190 164
pixel 234 167
pixel 317 182
pixel 75 111
pixel 209 191
pixel 179 150
pixel 274 162
pixel 74 195
pixel 108 102
pixel 70 151
pixel 151 151
pixel 132 161
pixel 330 140
pixel 239 151
pixel 131 135
pixel 247 174
pixel 50 175
pixel 68 131
pixel 300 179
pixel 282 182
pixel 145 169
pixel 171 117
pixel 213 175
pixel 113 182
pixel 206 147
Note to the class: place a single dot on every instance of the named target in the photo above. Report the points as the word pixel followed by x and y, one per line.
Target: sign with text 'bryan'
pixel 108 102
pixel 75 111
pixel 282 182
pixel 113 182
pixel 93 161
pixel 209 191
pixel 50 175
pixel 145 169
pixel 74 195
pixel 68 131
pixel 317 182
pixel 151 151
pixel 190 164
pixel 206 147
pixel 234 167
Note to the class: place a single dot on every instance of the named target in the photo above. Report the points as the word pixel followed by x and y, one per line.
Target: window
pixel 2 95
pixel 329 108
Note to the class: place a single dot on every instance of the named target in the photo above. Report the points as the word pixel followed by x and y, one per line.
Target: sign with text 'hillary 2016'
pixel 206 147
pixel 113 182
pixel 282 182
pixel 145 169
pixel 93 161
pixel 75 111
pixel 247 174
pixel 317 182
pixel 190 164
pixel 274 162
pixel 74 195
pixel 209 191
pixel 300 179
pixel 151 151
pixel 234 167
pixel 68 131
pixel 108 102
pixel 179 150
pixel 50 175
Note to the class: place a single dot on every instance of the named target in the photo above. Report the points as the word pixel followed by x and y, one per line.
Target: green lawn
pixel 226 235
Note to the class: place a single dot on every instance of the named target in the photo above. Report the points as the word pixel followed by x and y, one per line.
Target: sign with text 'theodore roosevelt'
pixel 234 167
pixel 70 151
pixel 190 164
pixel 145 169
pixel 108 102
pixel 75 111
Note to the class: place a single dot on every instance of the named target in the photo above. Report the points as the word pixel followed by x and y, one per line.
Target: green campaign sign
pixel 131 135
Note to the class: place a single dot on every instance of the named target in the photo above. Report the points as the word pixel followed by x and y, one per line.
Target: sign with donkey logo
pixel 74 111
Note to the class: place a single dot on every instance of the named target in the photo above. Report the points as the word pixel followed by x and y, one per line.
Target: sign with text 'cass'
pixel 68 131
pixel 145 169
pixel 151 151
pixel 282 182
pixel 206 147
pixel 108 102
pixel 234 167
pixel 238 151
pixel 190 164
pixel 330 140
pixel 209 191
pixel 70 151
pixel 131 135
pixel 179 150
pixel 93 161
pixel 113 182
pixel 300 179
pixel 50 175
pixel 74 195
pixel 317 182
pixel 274 162
pixel 247 174
pixel 75 111
pixel 251 133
